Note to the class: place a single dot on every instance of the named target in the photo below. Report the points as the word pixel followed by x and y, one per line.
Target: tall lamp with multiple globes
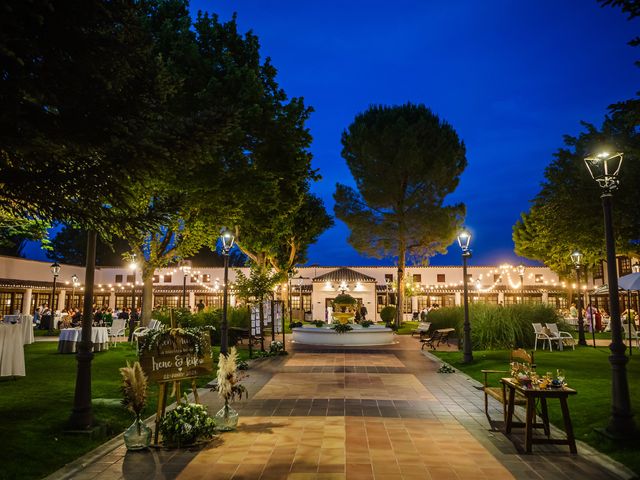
pixel 576 258
pixel 55 271
pixel 464 239
pixel 227 239
pixel 604 168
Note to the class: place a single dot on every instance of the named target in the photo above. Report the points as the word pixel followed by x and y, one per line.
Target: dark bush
pixel 494 327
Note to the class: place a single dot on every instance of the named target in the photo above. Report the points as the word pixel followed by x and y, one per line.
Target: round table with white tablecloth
pixel 27 326
pixel 11 350
pixel 70 337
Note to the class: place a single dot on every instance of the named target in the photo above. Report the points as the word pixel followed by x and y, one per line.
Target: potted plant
pixel 229 389
pixel 134 390
pixel 344 308
pixel 186 424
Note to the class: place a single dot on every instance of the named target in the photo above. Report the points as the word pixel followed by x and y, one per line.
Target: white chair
pixel 541 335
pixel 633 335
pixel 560 336
pixel 140 331
pixel 117 329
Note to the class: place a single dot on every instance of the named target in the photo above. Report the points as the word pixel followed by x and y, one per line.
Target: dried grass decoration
pixel 134 388
pixel 229 386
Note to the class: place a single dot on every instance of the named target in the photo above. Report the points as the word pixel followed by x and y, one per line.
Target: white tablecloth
pixel 27 326
pixel 69 338
pixel 11 350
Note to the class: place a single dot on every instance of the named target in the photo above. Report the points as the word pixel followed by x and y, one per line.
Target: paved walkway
pixel 351 414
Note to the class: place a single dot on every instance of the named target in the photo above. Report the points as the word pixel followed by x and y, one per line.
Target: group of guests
pixel 72 317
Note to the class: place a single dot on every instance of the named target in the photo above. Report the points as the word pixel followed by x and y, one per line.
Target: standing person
pixel 363 313
pixel 134 316
pixel 200 306
pixel 590 317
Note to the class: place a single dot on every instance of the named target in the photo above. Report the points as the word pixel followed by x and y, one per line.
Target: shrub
pixel 366 323
pixel 494 327
pixel 388 314
pixel 319 323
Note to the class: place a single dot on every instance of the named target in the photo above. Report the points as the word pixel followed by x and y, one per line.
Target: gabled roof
pixel 344 275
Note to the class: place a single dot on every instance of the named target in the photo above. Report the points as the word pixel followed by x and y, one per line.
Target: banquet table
pixel 26 322
pixel 70 337
pixel 11 350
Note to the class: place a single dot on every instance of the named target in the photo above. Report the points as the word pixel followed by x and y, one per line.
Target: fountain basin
pixel 359 336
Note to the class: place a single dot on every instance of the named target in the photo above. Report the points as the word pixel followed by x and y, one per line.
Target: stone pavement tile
pixel 344 359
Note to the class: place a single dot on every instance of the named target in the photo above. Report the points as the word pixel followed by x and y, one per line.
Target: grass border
pixel 596 456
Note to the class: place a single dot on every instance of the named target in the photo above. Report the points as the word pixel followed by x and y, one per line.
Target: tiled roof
pixel 344 275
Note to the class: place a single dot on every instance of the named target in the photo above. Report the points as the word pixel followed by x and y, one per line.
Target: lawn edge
pixel 584 449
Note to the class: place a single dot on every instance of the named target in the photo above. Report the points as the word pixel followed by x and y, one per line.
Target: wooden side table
pixel 531 395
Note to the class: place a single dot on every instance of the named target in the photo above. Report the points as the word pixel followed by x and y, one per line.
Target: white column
pixel 26 301
pixel 61 299
pixel 545 298
pixel 500 298
pixel 192 300
pixel 112 300
pixel 458 299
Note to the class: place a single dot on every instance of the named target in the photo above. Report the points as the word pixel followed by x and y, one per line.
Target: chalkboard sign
pixel 174 358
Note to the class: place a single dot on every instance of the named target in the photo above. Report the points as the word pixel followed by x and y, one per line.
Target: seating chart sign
pixel 278 308
pixel 175 358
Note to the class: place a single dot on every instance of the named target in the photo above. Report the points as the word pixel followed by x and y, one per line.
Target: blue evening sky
pixel 512 77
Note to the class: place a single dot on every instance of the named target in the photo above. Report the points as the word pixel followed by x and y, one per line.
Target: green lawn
pixel 589 372
pixel 34 409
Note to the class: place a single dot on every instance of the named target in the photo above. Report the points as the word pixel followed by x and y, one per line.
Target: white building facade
pixel 25 284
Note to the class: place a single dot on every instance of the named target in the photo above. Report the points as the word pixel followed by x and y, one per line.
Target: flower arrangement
pixel 153 338
pixel 521 373
pixel 185 424
pixel 276 347
pixel 229 389
pixel 342 327
pixel 444 368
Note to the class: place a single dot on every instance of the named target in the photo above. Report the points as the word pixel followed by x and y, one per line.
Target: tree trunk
pixel 147 294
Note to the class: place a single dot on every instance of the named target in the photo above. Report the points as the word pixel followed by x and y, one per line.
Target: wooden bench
pixel 497 392
pixel 439 336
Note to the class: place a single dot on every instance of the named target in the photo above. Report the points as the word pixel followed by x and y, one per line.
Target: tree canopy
pixel 405 160
pixel 567 213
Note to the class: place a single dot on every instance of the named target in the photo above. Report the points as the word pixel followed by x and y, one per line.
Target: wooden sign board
pixel 174 359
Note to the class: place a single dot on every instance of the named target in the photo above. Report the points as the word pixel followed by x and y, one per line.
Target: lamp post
pixel 227 242
pixel 521 268
pixel 186 269
pixel 75 283
pixel 576 258
pixel 464 238
pixel 55 270
pixel 604 168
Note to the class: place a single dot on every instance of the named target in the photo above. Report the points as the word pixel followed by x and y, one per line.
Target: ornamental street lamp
pixel 55 270
pixel 604 168
pixel 576 258
pixel 521 268
pixel 186 269
pixel 464 238
pixel 76 283
pixel 227 239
